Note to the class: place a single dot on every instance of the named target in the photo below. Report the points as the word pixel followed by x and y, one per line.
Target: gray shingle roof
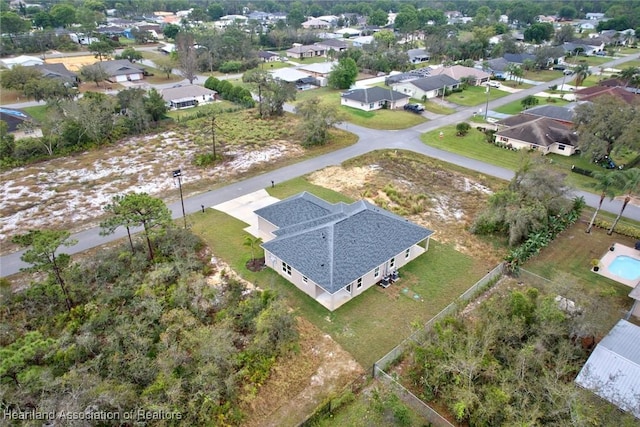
pixel 119 67
pixel 564 113
pixel 434 82
pixel 333 245
pixel 540 131
pixel 373 94
pixel 613 369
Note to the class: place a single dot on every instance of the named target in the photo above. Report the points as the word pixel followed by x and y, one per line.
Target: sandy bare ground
pixel 70 193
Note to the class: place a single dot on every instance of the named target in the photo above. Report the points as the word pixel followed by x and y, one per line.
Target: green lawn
pixel 38 112
pixel 473 145
pixel 515 107
pixel 374 322
pixel 475 95
pixel 542 75
pixel 436 108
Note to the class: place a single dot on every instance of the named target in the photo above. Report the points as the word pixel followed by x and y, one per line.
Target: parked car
pixel 567 72
pixel 493 83
pixel 416 108
pixel 559 68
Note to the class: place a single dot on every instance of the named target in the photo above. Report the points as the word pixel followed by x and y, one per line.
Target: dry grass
pixel 73 63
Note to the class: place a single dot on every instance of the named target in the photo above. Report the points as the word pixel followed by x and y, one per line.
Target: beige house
pixel 543 134
pixel 427 87
pixel 335 252
pixel 306 51
pixel 458 72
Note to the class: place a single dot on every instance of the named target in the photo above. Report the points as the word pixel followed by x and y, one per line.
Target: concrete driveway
pixel 242 208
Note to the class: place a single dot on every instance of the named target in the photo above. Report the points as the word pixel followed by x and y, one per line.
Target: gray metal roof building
pixel 613 369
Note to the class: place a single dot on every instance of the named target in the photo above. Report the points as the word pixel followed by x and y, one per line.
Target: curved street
pixel 369 140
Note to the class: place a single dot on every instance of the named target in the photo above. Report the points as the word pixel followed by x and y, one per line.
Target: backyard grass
pixel 567 263
pixel 377 320
pixel 38 112
pixel 515 107
pixel 474 145
pixel 475 95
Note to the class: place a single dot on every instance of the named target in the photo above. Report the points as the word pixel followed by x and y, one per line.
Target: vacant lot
pixel 475 95
pixel 71 192
pixel 516 107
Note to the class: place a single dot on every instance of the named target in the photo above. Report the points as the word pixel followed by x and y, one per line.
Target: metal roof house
pixel 335 252
pixel 613 369
pixel 187 96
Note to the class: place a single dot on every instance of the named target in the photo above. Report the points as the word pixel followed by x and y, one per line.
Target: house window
pixel 392 263
pixel 359 283
pixel 376 272
pixel 286 268
pixel 407 253
pixel 561 147
pixel 349 288
pixel 503 139
pixel 305 279
pixel 371 105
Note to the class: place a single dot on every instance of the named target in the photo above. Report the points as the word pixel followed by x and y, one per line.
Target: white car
pixel 493 83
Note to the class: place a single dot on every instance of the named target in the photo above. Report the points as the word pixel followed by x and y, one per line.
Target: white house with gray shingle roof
pixel 335 252
pixel 374 98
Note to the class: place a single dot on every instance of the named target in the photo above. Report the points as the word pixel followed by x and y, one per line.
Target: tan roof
pixel 458 72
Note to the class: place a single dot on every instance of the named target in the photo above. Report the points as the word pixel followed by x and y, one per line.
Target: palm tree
pixel 606 183
pixel 582 71
pixel 630 183
pixel 629 74
pixel 251 242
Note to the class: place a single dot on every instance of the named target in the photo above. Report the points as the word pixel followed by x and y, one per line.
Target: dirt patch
pixel 256 264
pixel 73 63
pixel 70 193
pixel 302 381
pixel 420 189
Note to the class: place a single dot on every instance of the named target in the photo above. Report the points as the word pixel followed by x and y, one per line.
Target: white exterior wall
pixel 413 91
pixel 359 105
pixel 266 229
pixel 553 148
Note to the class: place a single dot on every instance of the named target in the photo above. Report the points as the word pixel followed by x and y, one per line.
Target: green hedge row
pixel 625 230
pixel 534 244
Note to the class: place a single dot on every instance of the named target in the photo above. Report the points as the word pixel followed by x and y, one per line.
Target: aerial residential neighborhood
pixel 389 213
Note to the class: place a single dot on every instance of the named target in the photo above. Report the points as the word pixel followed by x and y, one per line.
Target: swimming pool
pixel 626 267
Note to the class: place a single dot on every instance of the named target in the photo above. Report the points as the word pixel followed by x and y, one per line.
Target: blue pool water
pixel 625 266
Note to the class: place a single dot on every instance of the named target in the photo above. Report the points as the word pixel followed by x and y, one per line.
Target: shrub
pixel 230 67
pixel 462 128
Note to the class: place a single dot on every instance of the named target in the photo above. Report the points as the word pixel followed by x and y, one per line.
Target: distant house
pixel 268 56
pixel 335 252
pixel 594 16
pixel 348 32
pixel 58 72
pixel 315 23
pixel 427 87
pixel 458 72
pixel 19 123
pixel 302 80
pixel 319 69
pixel 627 95
pixel 530 132
pixel 613 368
pixel 24 60
pixel 335 45
pixel 362 40
pixel 374 98
pixel 518 58
pixel 572 48
pixel 122 70
pixel 418 56
pixel 187 96
pixel 306 51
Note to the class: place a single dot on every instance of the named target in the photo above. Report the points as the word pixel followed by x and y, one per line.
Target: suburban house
pixel 362 40
pixel 19 123
pixel 122 70
pixel 319 70
pixel 335 252
pixel 427 87
pixel 418 56
pixel 613 368
pixel 306 51
pixel 24 60
pixel 374 98
pixel 627 95
pixel 302 80
pixel 316 23
pixel 268 56
pixel 573 48
pixel 187 96
pixel 594 16
pixel 529 132
pixel 458 72
pixel 563 114
pixel 335 45
pixel 59 72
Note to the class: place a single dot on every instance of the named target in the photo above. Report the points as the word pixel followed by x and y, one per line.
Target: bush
pixel 462 128
pixel 622 229
pixel 230 67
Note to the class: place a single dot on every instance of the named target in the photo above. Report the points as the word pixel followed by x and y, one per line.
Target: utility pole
pixel 213 135
pixel 178 174
pixel 486 107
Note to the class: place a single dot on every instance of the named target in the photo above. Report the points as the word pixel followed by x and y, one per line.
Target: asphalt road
pixel 369 140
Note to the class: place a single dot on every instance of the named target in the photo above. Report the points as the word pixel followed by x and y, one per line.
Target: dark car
pixel 416 108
